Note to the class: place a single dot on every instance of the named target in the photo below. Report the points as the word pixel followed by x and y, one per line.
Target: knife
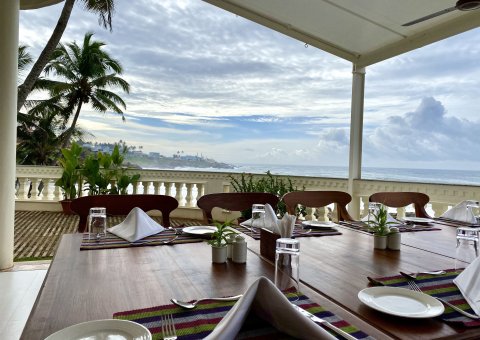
pixel 323 322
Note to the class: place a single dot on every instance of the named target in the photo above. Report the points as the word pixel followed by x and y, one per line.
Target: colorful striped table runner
pixel 112 241
pixel 297 232
pixel 199 322
pixel 359 225
pixel 441 286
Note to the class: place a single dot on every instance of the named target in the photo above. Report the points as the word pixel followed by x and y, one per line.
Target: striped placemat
pixel 299 231
pixel 443 287
pixel 112 241
pixel 403 228
pixel 199 322
pixel 454 223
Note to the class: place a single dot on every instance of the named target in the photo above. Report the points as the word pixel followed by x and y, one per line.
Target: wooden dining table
pixel 94 284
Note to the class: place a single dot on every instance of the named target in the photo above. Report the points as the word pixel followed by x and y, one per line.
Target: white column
pixel 356 135
pixel 9 12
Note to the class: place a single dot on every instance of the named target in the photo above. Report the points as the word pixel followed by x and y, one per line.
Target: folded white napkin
pixel 269 221
pixel 286 225
pixel 460 212
pixel 268 303
pixel 136 226
pixel 389 219
pixel 469 284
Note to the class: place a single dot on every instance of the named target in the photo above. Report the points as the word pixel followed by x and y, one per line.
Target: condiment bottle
pixel 239 250
pixel 230 240
pixel 394 239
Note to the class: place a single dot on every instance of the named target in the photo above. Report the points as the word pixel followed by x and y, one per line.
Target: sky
pixel 205 81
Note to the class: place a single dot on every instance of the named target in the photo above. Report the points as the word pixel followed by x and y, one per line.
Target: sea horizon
pixel 438 176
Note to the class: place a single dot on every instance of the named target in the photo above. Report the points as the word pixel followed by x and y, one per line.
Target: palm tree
pixel 87 72
pixel 104 9
pixel 24 58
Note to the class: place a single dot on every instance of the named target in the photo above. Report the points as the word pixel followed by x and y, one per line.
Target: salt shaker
pixel 230 240
pixel 239 250
pixel 394 239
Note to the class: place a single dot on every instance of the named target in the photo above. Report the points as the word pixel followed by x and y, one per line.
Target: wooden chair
pixel 315 199
pixel 401 199
pixel 234 201
pixel 122 205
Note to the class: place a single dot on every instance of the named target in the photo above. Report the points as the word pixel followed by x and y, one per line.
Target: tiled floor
pixel 18 290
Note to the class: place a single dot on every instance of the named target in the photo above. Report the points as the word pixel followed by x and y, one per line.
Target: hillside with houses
pixel 135 157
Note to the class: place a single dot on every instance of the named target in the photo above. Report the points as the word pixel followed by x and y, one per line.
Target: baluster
pixel 226 188
pixel 333 215
pixel 57 193
pixel 135 187
pixel 22 193
pixel 401 213
pixel 46 189
pixel 364 200
pixel 310 213
pixel 201 190
pixel 168 188
pixel 439 208
pixel 321 214
pixel 178 193
pixel 156 187
pixel 188 196
pixel 34 191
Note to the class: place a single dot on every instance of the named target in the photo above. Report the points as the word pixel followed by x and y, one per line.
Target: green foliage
pixel 379 225
pixel 105 174
pixel 71 176
pixel 219 237
pixel 270 184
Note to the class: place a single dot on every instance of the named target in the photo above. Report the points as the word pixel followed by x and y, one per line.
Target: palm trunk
pixel 44 57
pixel 69 133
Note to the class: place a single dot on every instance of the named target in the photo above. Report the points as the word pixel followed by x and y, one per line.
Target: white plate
pixel 417 220
pixel 401 302
pixel 199 230
pixel 102 330
pixel 319 224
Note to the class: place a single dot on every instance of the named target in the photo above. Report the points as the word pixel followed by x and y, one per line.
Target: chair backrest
pixel 234 201
pixel 315 199
pixel 401 199
pixel 122 205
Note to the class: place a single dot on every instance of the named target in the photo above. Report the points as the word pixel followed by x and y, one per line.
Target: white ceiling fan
pixel 461 5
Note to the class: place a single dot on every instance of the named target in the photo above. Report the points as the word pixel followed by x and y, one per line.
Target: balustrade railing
pixel 36 184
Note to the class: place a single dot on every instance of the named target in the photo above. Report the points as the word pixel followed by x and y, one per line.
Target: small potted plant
pixel 219 241
pixel 380 227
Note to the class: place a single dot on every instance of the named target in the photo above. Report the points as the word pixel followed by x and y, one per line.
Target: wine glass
pixel 467 246
pixel 258 216
pixel 97 223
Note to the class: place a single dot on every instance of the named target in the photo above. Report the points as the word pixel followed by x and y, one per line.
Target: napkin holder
pixel 268 244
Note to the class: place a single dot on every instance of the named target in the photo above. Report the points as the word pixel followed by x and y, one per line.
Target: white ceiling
pixel 361 31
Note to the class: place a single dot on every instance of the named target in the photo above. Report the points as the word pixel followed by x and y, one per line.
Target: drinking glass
pixel 467 246
pixel 373 208
pixel 258 216
pixel 287 264
pixel 97 223
pixel 472 207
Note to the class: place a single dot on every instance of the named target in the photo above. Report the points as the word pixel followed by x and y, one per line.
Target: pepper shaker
pixel 394 239
pixel 239 250
pixel 230 240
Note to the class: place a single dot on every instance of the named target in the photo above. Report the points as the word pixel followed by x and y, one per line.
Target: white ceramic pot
pixel 219 254
pixel 379 242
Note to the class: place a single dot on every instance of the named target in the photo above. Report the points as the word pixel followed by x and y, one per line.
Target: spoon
pixel 191 305
pixel 414 275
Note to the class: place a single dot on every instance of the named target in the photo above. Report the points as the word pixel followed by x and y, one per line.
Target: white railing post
pixel 188 196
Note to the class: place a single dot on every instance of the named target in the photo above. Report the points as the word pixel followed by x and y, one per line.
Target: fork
pixel 413 286
pixel 168 327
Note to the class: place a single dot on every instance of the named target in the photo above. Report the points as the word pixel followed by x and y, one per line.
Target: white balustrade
pixel 188 186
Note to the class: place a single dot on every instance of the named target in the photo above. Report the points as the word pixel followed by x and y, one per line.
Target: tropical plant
pixel 271 184
pixel 379 225
pixel 104 9
pixel 24 58
pixel 104 173
pixel 87 72
pixel 71 177
pixel 219 237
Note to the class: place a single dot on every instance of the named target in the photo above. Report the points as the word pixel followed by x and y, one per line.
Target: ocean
pixel 465 177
